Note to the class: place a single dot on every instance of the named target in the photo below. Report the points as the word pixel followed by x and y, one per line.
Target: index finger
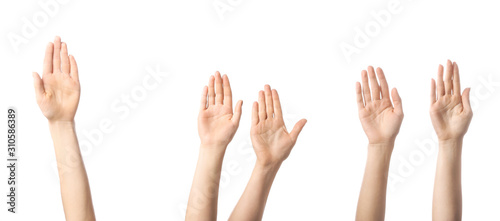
pixel 456 80
pixel 384 87
pixel 47 61
pixel 277 105
pixel 228 94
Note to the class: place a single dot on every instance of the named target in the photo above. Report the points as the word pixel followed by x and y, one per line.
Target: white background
pixel 143 168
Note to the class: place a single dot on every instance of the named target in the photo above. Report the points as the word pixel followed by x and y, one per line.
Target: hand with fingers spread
pixel 451 115
pixel 58 94
pixel 217 125
pixel 272 144
pixel 381 122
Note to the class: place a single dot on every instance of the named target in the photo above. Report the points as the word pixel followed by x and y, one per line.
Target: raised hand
pixel 451 115
pixel 217 125
pixel 216 122
pixel 57 95
pixel 271 140
pixel 380 119
pixel 450 110
pixel 381 122
pixel 272 144
pixel 58 92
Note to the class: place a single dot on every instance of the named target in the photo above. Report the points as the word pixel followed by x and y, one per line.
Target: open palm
pixel 380 120
pixel 58 92
pixel 216 122
pixel 271 140
pixel 450 111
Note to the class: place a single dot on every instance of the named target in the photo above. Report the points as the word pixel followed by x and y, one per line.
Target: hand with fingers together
pixel 58 92
pixel 271 140
pixel 272 144
pixel 57 95
pixel 216 122
pixel 381 121
pixel 451 114
pixel 217 125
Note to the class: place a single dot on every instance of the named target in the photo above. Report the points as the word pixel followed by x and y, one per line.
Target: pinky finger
pixel 433 91
pixel 255 113
pixel 359 96
pixel 203 102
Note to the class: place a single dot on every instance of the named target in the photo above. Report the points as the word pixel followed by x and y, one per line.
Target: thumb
pixel 297 128
pixel 38 83
pixel 396 99
pixel 466 100
pixel 237 112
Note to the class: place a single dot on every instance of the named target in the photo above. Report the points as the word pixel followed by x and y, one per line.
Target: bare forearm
pixel 447 201
pixel 202 204
pixel 75 190
pixel 371 203
pixel 253 201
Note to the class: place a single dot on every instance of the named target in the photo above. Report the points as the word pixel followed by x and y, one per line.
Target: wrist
pixel 269 168
pixel 61 126
pixel 451 141
pixel 453 146
pixel 61 122
pixel 268 162
pixel 383 149
pixel 383 142
pixel 212 149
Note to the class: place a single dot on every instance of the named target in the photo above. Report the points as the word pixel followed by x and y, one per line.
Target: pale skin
pixel 451 115
pixel 381 120
pixel 58 95
pixel 272 144
pixel 217 124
